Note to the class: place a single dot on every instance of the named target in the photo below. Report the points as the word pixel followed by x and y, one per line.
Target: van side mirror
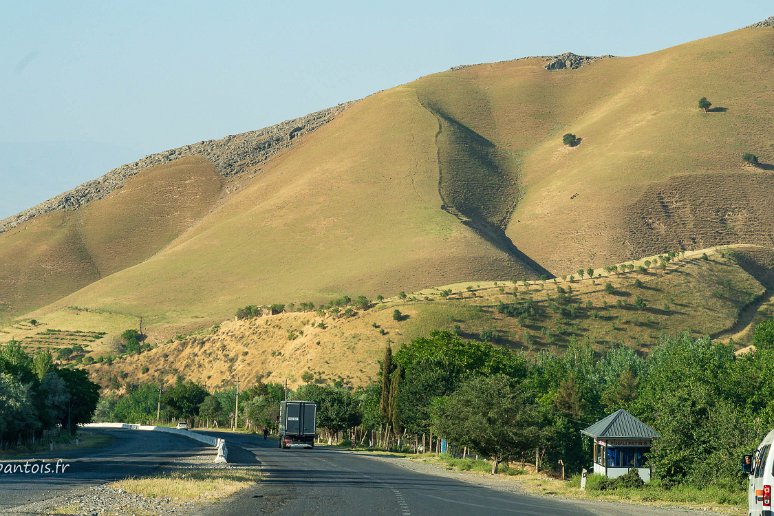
pixel 747 464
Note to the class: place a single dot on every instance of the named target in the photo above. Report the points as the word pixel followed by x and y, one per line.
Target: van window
pixel 760 464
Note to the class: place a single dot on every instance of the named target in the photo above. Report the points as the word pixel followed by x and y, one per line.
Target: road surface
pixel 326 481
pixel 130 453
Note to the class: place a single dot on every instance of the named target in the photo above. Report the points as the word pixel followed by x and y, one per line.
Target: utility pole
pixel 158 404
pixel 236 409
pixel 286 389
pixel 140 327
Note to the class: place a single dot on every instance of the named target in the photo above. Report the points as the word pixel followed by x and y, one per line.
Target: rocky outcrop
pixel 231 156
pixel 768 22
pixel 568 60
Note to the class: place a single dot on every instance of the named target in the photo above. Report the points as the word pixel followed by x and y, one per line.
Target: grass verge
pixel 200 484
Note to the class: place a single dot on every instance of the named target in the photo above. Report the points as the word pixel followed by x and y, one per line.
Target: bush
pixel 398 316
pixel 248 312
pixel 630 480
pixel 596 482
pixel 750 158
pixel 609 288
pixel 704 104
pixel 570 140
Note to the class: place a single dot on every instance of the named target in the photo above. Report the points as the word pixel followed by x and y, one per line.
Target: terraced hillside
pixel 705 292
pixel 458 176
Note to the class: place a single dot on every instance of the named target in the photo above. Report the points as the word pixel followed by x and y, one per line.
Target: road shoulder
pixel 511 484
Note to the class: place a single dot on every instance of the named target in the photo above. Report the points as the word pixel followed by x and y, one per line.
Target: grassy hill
pixel 706 293
pixel 460 176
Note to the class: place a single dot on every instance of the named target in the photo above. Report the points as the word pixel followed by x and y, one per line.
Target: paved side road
pixel 129 454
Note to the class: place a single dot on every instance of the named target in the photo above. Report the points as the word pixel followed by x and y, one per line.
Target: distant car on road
pixel 182 425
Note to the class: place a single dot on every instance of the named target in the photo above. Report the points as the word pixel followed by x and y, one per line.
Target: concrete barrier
pixel 215 442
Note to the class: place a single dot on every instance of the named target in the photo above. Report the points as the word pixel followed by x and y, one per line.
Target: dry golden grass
pixel 690 294
pixel 67 250
pixel 355 207
pixel 199 485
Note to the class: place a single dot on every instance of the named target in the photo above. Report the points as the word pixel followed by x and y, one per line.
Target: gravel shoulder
pixel 84 491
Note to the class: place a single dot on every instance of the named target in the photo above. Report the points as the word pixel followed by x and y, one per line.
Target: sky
pixel 90 85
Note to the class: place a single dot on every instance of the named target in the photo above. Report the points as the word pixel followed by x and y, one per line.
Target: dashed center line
pixel 404 508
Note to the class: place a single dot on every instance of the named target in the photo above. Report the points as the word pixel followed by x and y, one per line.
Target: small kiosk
pixel 620 444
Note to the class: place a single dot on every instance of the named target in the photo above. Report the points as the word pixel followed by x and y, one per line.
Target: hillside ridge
pixel 231 156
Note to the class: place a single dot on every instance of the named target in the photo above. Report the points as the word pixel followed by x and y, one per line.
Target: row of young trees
pixel 38 398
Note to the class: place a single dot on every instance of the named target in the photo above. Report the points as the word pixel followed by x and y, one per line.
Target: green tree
pixel 687 391
pixel 704 104
pixel 57 398
pixel 184 399
pixel 84 395
pixel 435 365
pixel 750 158
pixel 763 337
pixel 570 140
pixel 132 342
pixel 336 407
pixel 42 363
pixel 386 372
pixel 621 393
pixel 362 302
pixel 139 405
pixel 248 312
pixel 492 416
pixel 262 411
pixel 17 412
pixel 210 409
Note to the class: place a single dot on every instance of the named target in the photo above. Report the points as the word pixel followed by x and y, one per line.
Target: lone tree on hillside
pixel 570 140
pixel 704 104
pixel 749 157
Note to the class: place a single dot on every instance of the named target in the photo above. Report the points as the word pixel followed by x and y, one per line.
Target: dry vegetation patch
pixel 197 484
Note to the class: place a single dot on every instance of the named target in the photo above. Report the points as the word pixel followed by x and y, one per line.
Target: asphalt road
pixel 325 481
pixel 130 453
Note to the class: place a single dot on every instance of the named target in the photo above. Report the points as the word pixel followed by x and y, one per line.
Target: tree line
pixel 40 400
pixel 708 404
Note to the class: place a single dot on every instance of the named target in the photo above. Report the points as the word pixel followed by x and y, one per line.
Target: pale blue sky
pixel 89 85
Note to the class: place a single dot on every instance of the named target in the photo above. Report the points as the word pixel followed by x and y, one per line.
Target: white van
pixel 760 467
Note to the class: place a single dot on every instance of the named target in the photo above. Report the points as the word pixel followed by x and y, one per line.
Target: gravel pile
pixel 102 500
